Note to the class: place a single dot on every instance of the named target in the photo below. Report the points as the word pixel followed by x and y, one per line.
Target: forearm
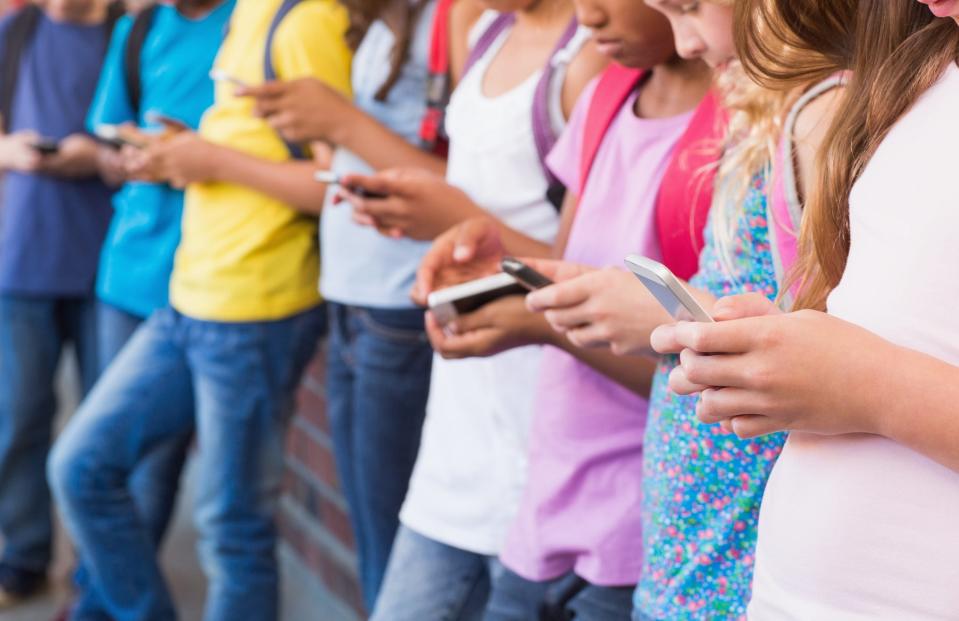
pixel 381 148
pixel 634 373
pixel 289 182
pixel 916 403
pixel 519 245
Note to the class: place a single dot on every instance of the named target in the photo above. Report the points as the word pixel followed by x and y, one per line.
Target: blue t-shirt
pixel 175 63
pixel 360 266
pixel 51 229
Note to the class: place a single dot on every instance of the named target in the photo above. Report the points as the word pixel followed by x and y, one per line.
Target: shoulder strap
pixel 487 39
pixel 432 136
pixel 784 206
pixel 615 86
pixel 115 11
pixel 269 68
pixel 132 54
pixel 19 35
pixel 543 133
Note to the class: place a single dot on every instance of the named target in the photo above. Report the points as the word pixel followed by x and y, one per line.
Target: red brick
pixel 314 456
pixel 316 503
pixel 311 407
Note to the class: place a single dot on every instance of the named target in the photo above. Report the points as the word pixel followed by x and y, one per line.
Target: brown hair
pixel 896 51
pixel 362 15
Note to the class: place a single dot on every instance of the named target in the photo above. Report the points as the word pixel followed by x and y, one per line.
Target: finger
pixel 663 340
pixel 377 184
pixel 482 318
pixel 561 295
pixel 590 336
pixel 466 345
pixel 754 426
pixel 716 338
pixel 470 236
pixel 267 90
pixel 719 404
pixel 741 306
pixel 564 320
pixel 435 259
pixel 680 384
pixel 721 370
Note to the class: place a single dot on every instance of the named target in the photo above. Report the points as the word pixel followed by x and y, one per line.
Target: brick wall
pixel 314 519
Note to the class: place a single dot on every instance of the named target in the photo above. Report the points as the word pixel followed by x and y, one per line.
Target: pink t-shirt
pixel 858 527
pixel 581 507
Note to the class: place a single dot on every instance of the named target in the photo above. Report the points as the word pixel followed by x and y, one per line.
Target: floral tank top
pixel 703 487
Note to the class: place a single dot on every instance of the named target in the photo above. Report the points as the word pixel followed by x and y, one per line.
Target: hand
pixel 180 160
pixel 469 250
pixel 75 159
pixel 112 166
pixel 772 372
pixel 303 110
pixel 494 328
pixel 602 308
pixel 18 154
pixel 418 204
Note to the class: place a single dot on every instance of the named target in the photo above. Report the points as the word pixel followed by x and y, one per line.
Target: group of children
pixel 574 453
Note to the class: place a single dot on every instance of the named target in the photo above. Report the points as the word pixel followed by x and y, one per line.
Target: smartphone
pixel 156 118
pixel 524 274
pixel 331 178
pixel 46 146
pixel 447 304
pixel 666 288
pixel 219 75
pixel 114 136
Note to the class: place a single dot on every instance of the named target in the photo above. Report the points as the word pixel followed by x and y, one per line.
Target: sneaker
pixel 17 585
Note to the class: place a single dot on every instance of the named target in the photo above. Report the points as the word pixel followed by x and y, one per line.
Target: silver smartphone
pixel 666 288
pixel 447 304
pixel 219 75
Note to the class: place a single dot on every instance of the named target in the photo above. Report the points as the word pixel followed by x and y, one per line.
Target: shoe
pixel 17 585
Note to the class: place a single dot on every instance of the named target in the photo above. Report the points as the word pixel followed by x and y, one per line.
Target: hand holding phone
pixel 524 274
pixel 335 179
pixel 447 304
pixel 666 288
pixel 46 146
pixel 219 75
pixel 118 136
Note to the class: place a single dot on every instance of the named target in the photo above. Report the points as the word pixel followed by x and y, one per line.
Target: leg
pixel 596 603
pixel 430 580
pixel 114 328
pixel 246 376
pixel 30 346
pixel 392 359
pixel 514 598
pixel 125 417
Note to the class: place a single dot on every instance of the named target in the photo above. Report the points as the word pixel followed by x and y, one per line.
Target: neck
pixel 546 13
pixel 96 14
pixel 675 87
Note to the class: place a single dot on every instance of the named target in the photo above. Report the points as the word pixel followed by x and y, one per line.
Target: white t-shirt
pixel 471 469
pixel 859 527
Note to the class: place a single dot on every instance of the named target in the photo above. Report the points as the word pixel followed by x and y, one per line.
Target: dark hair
pixel 362 15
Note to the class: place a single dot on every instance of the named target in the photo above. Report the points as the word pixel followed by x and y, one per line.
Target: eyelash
pixel 689 7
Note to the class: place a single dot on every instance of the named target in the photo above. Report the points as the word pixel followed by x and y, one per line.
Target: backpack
pixel 269 69
pixel 543 133
pixel 132 53
pixel 20 33
pixel 433 136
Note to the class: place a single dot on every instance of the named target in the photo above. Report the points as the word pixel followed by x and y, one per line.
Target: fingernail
pixel 461 253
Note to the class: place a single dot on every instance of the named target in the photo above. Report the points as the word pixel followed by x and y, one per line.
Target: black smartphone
pixel 331 178
pixel 46 146
pixel 524 274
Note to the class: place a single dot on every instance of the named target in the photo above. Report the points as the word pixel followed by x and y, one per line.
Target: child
pixel 586 439
pixel 471 466
pixel 859 514
pixel 243 324
pixel 378 356
pixel 174 47
pixel 55 214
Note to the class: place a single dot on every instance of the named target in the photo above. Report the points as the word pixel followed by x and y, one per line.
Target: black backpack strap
pixel 19 34
pixel 115 11
pixel 132 54
pixel 269 68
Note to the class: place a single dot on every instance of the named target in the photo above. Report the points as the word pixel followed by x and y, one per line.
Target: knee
pixel 72 469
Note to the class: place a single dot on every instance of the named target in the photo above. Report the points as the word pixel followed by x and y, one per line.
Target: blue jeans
pixel 516 599
pixel 243 378
pixel 33 333
pixel 378 378
pixel 430 580
pixel 154 483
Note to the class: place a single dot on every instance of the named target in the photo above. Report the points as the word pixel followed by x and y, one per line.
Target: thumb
pixel 743 306
pixel 471 235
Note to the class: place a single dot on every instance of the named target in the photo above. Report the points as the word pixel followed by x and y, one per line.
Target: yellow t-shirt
pixel 245 256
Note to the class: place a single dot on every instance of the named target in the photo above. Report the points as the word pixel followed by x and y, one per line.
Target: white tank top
pixel 471 469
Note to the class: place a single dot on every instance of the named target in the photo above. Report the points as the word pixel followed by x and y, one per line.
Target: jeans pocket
pixel 405 327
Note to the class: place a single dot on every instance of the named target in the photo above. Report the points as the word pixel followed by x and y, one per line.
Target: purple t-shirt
pixel 52 229
pixel 581 507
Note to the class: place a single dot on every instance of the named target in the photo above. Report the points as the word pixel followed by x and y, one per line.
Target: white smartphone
pixel 447 304
pixel 219 75
pixel 331 178
pixel 666 288
pixel 114 136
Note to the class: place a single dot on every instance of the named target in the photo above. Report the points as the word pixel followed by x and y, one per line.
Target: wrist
pixel 878 413
pixel 343 133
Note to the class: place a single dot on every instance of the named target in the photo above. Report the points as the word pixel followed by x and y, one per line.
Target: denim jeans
pixel 243 377
pixel 516 599
pixel 427 579
pixel 33 333
pixel 378 378
pixel 154 483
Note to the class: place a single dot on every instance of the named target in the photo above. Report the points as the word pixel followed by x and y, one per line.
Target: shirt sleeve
pixel 565 159
pixel 111 101
pixel 310 43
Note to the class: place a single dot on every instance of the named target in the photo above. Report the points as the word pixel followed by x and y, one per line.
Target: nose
pixel 688 44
